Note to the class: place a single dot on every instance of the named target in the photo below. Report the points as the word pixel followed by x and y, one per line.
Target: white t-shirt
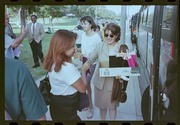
pixel 89 43
pixel 79 37
pixel 61 82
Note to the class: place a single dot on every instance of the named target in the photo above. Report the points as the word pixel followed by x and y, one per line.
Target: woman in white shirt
pixel 89 40
pixel 79 31
pixel 64 77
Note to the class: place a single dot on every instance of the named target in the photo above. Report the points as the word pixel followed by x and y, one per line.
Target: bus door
pixel 156 58
pixel 167 50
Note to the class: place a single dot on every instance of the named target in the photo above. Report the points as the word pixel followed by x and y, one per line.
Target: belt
pixel 69 96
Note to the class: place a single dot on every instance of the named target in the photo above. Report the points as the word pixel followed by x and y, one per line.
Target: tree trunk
pixel 23 16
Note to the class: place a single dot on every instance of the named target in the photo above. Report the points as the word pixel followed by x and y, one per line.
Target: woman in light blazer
pixel 103 85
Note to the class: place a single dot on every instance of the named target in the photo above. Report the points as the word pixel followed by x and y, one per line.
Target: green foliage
pixel 53 11
pixel 82 10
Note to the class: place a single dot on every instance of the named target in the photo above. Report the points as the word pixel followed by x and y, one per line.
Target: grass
pixel 61 23
pixel 26 54
pixel 27 58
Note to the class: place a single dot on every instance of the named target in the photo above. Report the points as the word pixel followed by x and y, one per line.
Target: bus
pixel 155 31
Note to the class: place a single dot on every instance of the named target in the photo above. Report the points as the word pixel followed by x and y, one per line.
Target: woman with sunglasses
pixel 103 85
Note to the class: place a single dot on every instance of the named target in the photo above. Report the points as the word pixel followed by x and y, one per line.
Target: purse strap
pixel 46 75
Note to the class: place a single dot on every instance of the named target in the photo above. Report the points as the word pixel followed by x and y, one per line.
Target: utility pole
pixel 123 23
pixel 96 21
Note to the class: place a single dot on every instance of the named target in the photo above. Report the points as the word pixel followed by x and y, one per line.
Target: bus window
pixel 142 15
pixel 150 16
pixel 144 19
pixel 167 17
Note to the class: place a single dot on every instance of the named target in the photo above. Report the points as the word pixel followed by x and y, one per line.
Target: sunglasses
pixel 111 36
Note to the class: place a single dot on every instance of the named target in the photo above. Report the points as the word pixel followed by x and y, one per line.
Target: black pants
pixel 37 51
pixel 63 108
pixel 171 113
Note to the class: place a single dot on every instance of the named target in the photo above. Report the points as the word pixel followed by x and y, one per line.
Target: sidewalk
pixel 130 110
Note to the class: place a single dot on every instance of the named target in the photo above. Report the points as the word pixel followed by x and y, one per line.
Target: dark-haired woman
pixel 103 85
pixel 89 40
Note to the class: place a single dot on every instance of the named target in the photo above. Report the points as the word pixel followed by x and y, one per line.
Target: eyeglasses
pixel 106 35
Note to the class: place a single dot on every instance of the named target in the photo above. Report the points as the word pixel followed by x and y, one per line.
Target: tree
pixel 23 16
pixel 18 10
pixel 82 10
pixel 55 12
pixel 43 11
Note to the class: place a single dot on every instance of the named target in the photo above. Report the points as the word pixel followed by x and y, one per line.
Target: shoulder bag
pixel 45 88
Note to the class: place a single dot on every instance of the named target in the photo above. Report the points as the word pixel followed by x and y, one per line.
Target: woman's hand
pixel 119 54
pixel 118 77
pixel 79 56
pixel 85 67
pixel 125 56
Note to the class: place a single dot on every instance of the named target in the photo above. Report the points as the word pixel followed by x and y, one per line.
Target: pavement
pixel 128 111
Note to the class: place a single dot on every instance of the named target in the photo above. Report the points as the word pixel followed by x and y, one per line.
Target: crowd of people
pixel 23 100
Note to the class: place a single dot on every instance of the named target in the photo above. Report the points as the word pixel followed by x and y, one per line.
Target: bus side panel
pixel 165 57
pixel 142 44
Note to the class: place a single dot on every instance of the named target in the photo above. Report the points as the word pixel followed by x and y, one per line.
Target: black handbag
pixel 45 88
pixel 83 101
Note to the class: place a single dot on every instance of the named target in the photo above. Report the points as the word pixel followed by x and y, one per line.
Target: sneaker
pixel 89 114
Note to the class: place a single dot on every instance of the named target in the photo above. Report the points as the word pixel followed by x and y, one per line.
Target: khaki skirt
pixel 103 97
